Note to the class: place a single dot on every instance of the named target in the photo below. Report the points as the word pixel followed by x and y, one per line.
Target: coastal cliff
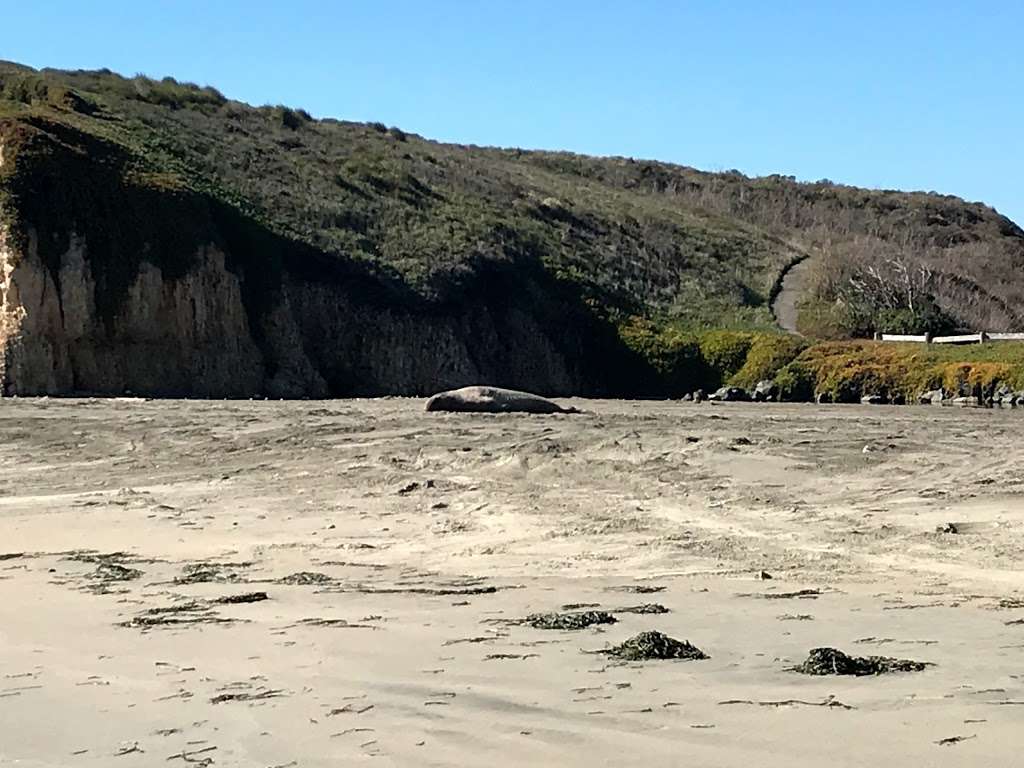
pixel 184 336
pixel 160 239
pixel 192 335
pixel 112 283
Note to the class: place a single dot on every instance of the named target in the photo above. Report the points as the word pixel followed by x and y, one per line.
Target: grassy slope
pixel 424 212
pixel 660 252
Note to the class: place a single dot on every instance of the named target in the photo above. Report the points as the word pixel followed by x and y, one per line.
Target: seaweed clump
pixel 832 661
pixel 655 645
pixel 107 571
pixel 306 578
pixel 572 620
pixel 203 573
pixel 644 608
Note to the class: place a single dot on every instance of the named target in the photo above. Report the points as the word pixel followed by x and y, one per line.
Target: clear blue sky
pixel 908 94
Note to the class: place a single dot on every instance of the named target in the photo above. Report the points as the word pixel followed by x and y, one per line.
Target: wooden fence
pixel 966 338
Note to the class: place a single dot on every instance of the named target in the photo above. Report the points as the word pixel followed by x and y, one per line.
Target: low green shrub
pixel 767 356
pixel 675 356
pixel 846 371
pixel 724 354
pixel 686 360
pixel 796 382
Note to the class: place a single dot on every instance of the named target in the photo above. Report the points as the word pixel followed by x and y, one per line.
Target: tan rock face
pixel 193 336
pixel 187 336
pixel 11 312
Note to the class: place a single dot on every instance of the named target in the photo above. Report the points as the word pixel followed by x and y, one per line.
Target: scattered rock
pixel 831 661
pixel 965 402
pixel 655 645
pixel 571 620
pixel 873 400
pixel 699 396
pixel 765 391
pixel 1004 396
pixel 947 528
pixel 932 397
pixel 764 576
pixel 729 395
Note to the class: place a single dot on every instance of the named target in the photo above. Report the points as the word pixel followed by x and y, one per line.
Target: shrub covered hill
pixel 158 237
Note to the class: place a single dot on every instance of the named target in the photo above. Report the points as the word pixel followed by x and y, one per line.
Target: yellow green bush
pixel 673 354
pixel 684 360
pixel 767 356
pixel 845 371
pixel 724 354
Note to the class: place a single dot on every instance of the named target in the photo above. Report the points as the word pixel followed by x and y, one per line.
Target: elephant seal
pixel 493 400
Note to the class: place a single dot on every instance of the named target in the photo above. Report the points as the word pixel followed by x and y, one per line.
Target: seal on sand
pixel 493 400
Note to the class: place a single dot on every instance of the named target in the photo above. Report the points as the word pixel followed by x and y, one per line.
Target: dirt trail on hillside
pixel 319 583
pixel 792 290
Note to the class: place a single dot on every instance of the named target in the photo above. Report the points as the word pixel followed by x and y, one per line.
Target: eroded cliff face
pixel 188 336
pixel 112 283
pixel 10 309
pixel 192 336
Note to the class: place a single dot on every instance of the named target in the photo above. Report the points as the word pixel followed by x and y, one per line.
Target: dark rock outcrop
pixel 730 395
pixel 765 391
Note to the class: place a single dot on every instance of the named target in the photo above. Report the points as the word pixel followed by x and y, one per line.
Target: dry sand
pixel 420 540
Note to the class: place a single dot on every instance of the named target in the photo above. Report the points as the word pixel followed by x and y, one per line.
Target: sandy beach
pixel 322 583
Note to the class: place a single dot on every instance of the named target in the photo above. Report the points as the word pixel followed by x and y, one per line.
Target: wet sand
pixel 324 583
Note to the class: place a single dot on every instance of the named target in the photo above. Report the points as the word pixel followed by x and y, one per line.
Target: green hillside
pixel 636 254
